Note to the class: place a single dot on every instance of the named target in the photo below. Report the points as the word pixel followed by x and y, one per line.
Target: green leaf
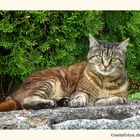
pixel 136 95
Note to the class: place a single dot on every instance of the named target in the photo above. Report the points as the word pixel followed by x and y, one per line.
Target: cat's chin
pixel 104 73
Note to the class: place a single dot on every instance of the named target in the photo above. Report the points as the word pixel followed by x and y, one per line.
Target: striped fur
pixel 99 81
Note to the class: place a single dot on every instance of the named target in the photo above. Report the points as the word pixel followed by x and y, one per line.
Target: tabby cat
pixel 99 81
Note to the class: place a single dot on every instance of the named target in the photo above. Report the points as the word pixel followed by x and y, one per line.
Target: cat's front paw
pixel 78 101
pixel 111 101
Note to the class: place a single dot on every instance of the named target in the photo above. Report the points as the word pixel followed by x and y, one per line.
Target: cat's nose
pixel 105 66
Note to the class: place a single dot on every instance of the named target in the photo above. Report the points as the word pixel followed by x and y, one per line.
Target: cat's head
pixel 107 58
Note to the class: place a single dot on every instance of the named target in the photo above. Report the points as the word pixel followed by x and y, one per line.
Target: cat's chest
pixel 106 84
pixel 107 88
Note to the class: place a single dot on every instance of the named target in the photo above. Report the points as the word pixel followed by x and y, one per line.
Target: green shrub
pixel 34 40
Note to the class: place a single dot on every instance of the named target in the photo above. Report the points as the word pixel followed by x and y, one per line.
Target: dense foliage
pixel 34 40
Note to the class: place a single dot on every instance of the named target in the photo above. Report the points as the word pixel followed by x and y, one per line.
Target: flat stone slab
pixel 97 117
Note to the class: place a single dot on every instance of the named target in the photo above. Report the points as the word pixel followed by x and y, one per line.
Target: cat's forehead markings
pixel 107 48
pixel 107 52
pixel 106 44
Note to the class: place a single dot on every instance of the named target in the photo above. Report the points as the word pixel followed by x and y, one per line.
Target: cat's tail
pixel 10 105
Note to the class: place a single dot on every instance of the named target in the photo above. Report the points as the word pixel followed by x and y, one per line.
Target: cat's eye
pixel 114 59
pixel 99 57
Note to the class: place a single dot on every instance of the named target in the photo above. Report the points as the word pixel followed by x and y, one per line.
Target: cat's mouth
pixel 104 72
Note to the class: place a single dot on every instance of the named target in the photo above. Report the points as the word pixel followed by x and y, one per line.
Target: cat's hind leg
pixel 63 102
pixel 36 102
pixel 111 101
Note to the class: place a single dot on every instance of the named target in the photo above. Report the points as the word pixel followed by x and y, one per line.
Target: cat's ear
pixel 123 45
pixel 92 42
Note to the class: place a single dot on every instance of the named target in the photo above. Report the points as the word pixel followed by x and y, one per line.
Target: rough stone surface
pixel 97 117
pixel 130 123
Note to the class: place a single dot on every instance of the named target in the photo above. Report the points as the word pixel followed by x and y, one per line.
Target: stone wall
pixel 98 117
